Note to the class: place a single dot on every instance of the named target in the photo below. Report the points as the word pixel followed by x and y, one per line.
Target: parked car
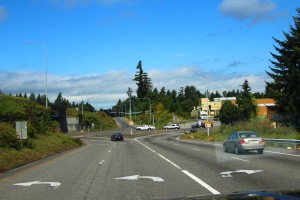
pixel 190 130
pixel 117 137
pixel 172 126
pixel 244 141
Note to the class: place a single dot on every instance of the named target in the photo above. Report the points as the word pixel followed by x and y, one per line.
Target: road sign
pixel 21 128
pixel 207 124
pixel 130 122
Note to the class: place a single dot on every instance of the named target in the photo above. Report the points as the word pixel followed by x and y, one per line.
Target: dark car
pixel 117 137
pixel 244 141
pixel 197 125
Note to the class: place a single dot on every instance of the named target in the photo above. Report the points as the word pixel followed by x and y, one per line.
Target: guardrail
pixel 283 141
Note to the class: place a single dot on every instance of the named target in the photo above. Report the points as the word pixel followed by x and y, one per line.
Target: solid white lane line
pixel 100 163
pixel 240 159
pixel 287 154
pixel 159 155
pixel 168 161
pixel 198 180
pixel 202 183
pixel 196 149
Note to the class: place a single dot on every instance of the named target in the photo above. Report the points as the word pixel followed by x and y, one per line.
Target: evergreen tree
pixel 229 113
pixel 32 97
pixel 60 101
pixel 285 72
pixel 143 82
pixel 39 99
pixel 245 101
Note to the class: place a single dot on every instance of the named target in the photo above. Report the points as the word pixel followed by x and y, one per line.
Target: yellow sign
pixel 207 124
pixel 130 122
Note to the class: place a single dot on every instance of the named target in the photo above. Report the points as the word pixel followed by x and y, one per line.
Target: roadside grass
pixel 38 148
pixel 260 125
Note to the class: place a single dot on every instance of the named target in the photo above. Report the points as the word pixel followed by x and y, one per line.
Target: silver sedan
pixel 244 141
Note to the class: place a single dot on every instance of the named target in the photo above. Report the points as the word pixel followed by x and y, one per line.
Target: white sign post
pixel 21 128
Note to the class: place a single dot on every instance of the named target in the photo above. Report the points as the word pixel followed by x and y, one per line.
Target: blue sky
pixel 93 46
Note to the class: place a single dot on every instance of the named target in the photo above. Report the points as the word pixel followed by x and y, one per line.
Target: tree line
pixel 60 101
pixel 181 103
pixel 284 88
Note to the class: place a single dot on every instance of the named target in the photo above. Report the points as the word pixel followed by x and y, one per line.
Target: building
pixel 214 107
pixel 264 107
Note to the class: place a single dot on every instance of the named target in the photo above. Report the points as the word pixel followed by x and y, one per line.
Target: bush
pixel 262 126
pixel 8 136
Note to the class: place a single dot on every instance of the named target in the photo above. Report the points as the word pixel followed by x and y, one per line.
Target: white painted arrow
pixel 52 184
pixel 228 173
pixel 136 177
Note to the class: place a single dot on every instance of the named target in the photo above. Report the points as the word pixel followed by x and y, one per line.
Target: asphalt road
pixel 150 167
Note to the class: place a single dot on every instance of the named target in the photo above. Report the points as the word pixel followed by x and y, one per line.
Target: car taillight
pixel 262 140
pixel 243 141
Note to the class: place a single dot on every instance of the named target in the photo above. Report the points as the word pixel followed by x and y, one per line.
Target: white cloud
pixel 3 13
pixel 253 10
pixel 104 90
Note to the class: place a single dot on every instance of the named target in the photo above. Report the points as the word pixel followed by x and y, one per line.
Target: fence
pixel 284 141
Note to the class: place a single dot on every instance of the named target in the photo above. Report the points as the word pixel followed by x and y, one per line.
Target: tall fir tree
pixel 285 72
pixel 143 82
pixel 245 101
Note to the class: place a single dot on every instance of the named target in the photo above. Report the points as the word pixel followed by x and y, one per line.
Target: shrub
pixel 8 136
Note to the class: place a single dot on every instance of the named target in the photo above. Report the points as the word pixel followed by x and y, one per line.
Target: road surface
pixel 150 167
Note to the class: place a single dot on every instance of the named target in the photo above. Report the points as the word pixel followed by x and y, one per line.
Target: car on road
pixel 200 125
pixel 145 128
pixel 242 141
pixel 172 126
pixel 197 125
pixel 191 130
pixel 117 137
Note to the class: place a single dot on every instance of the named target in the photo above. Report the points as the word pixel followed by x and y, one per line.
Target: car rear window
pixel 248 135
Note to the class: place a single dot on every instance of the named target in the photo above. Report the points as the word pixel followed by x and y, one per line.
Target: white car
pixel 172 126
pixel 145 128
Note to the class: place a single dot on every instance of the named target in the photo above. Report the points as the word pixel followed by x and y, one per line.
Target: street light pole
pixel 46 66
pixel 190 68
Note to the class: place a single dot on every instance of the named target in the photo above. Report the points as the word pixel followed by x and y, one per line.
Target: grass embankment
pixel 38 148
pixel 261 126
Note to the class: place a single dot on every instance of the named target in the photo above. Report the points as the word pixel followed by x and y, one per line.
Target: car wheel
pixel 236 150
pixel 224 148
pixel 260 151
